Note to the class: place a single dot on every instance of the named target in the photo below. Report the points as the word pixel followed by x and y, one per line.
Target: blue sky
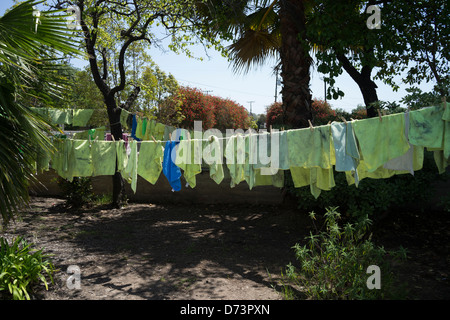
pixel 215 76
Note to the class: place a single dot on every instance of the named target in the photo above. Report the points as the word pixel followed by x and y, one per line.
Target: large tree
pixel 262 30
pixel 117 25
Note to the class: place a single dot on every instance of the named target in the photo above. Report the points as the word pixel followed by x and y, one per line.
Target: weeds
pixel 333 264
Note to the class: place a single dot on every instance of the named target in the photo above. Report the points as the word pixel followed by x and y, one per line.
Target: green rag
pixel 311 147
pixel 130 172
pixel 80 159
pixel 212 154
pixel 81 117
pixel 150 160
pixel 189 159
pixel 121 154
pixel 381 140
pixel 103 158
pixel 235 156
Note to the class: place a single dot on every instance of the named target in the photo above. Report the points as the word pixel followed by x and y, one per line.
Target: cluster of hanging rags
pixel 369 148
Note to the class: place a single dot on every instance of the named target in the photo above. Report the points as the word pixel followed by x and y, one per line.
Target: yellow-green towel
pixel 158 132
pixel 189 159
pixel 426 127
pixel 311 148
pixel 130 172
pixel 80 159
pixel 317 178
pixel 381 141
pixel 81 117
pixel 150 160
pixel 235 157
pixel 212 154
pixel 121 155
pixel 103 158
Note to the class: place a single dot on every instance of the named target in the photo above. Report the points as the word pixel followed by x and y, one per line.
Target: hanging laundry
pixel 404 162
pixel 273 151
pixel 189 159
pixel 235 157
pixel 317 178
pixel 60 158
pixel 121 155
pixel 130 172
pixel 158 132
pixel 346 148
pixel 311 147
pixel 124 114
pixel 134 128
pixel 170 170
pixel 103 158
pixel 381 140
pixel 81 117
pixel 60 116
pixel 150 160
pixel 80 160
pixel 212 155
pixel 97 133
pixel 139 125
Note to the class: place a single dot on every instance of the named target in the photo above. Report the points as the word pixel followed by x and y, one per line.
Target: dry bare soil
pixel 213 252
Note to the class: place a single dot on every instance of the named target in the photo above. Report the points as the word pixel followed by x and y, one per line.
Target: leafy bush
pixel 21 268
pixel 333 264
pixel 322 112
pixel 274 116
pixel 78 192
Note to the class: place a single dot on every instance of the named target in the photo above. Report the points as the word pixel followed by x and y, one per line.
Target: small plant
pixel 333 265
pixel 78 192
pixel 21 267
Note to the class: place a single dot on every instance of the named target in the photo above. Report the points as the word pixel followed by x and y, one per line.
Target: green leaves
pixel 21 267
pixel 333 263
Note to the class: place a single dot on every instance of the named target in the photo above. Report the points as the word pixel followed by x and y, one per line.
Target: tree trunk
pixel 118 196
pixel 366 85
pixel 295 65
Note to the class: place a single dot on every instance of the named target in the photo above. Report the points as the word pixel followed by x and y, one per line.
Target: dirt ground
pixel 177 252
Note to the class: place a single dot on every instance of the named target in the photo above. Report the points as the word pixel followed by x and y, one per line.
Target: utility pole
pixel 251 102
pixel 276 83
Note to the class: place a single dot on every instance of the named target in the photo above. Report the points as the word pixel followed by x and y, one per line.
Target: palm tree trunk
pixel 295 65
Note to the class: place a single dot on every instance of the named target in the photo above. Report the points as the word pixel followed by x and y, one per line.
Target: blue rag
pixel 170 169
pixel 133 128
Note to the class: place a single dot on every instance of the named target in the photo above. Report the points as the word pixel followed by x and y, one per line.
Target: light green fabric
pixel 266 147
pixel 276 180
pixel 346 148
pixel 139 124
pixel 311 148
pixel 80 159
pixel 81 117
pixel 158 132
pixel 121 155
pixel 104 158
pixel 98 133
pixel 189 159
pixel 150 160
pixel 130 172
pixel 212 154
pixel 60 159
pixel 381 141
pixel 235 157
pixel 426 127
pixel 317 178
pixel 123 118
pixel 60 116
pixel 150 128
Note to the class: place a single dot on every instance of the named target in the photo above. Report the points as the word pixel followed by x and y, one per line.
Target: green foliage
pixel 374 196
pixel 27 67
pixel 77 192
pixel 333 263
pixel 21 267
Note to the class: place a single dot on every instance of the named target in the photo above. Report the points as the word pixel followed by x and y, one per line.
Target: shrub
pixel 322 112
pixel 21 268
pixel 274 115
pixel 78 192
pixel 333 264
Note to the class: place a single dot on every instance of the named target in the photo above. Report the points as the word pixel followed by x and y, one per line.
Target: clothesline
pixel 369 148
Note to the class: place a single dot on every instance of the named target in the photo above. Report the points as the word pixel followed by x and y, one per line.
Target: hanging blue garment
pixel 133 129
pixel 170 169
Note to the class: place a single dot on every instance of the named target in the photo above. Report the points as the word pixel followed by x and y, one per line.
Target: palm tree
pixel 28 42
pixel 278 28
